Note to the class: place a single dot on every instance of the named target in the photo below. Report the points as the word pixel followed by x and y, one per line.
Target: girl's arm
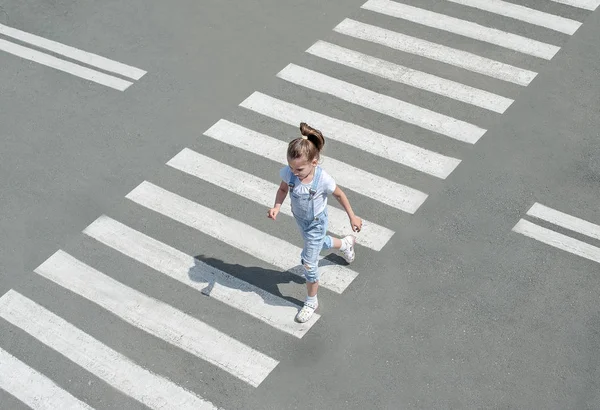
pixel 355 221
pixel 279 198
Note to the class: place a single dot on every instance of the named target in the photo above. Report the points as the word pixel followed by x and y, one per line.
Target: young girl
pixel 309 185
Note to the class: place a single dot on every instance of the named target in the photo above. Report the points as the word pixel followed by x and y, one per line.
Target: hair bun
pixel 305 129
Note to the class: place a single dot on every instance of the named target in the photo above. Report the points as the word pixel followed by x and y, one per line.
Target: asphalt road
pixel 457 311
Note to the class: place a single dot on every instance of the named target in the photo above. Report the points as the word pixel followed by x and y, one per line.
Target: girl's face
pixel 302 167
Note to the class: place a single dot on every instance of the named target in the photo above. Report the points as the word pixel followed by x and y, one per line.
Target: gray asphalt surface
pixel 455 312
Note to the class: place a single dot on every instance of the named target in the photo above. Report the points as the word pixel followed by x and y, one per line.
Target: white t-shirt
pixel 325 187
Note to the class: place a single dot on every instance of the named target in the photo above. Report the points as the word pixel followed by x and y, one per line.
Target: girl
pixel 310 185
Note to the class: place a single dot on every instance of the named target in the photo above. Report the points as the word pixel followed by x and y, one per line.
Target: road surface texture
pixel 138 268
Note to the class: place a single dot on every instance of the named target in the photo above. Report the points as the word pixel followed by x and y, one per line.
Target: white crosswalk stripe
pixel 565 220
pixel 244 361
pixel 71 53
pixel 410 113
pixel 559 240
pixel 380 189
pixel 33 388
pixel 66 66
pixel 363 138
pixel 405 75
pixel 433 51
pixel 115 369
pixel 463 28
pixel 158 318
pixel 217 284
pixel 529 15
pixel 263 192
pixel 582 4
pixel 235 233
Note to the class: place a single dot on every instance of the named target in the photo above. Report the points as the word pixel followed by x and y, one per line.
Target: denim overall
pixel 313 227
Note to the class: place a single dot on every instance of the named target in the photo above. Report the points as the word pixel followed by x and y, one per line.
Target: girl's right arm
pixel 279 198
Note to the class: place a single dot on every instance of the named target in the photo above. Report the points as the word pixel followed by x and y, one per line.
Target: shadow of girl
pixel 216 272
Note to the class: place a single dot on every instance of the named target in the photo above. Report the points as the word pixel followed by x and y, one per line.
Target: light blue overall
pixel 313 227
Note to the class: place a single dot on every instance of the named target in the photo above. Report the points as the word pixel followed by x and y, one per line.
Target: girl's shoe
pixel 348 253
pixel 306 312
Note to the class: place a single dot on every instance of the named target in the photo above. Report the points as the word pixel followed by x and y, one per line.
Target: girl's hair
pixel 308 146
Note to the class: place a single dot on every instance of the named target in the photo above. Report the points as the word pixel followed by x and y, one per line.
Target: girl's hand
pixel 273 213
pixel 356 223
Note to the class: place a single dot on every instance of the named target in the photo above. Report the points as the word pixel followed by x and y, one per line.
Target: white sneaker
pixel 306 312
pixel 348 253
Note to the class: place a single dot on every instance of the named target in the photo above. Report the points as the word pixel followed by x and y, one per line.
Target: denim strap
pixel 315 182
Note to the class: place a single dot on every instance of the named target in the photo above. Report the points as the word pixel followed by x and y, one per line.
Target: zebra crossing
pixel 437 52
pixel 72 53
pixel 208 343
pixel 559 240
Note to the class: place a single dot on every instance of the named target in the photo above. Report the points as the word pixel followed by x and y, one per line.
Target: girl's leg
pixel 336 243
pixel 311 303
pixel 312 288
pixel 330 242
pixel 344 245
pixel 314 236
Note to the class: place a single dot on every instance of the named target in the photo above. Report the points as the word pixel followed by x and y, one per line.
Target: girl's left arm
pixel 341 197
